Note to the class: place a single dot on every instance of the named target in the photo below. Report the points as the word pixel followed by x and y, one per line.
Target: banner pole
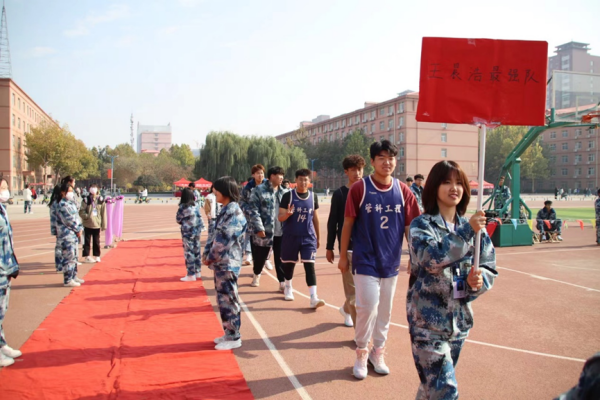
pixel 482 138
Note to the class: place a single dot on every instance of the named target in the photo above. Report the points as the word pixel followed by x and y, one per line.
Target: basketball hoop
pixel 592 117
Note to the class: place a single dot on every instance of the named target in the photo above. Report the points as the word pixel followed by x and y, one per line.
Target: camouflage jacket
pixel 432 311
pixel 597 206
pixel 263 209
pixel 8 261
pixel 418 192
pixel 53 217
pixel 223 250
pixel 190 220
pixel 68 223
pixel 245 195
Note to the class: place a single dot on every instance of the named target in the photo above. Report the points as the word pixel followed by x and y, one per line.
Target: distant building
pixel 153 138
pixel 19 114
pixel 420 144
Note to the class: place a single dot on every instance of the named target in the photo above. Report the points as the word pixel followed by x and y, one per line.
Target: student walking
pixel 223 254
pixel 53 206
pixel 9 269
pixel 68 231
pixel 212 209
pixel 353 168
pixel 438 303
pixel 263 209
pixel 298 213
pixel 378 212
pixel 258 177
pixel 188 216
pixel 93 217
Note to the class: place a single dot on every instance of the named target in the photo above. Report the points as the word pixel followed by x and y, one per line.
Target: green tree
pixel 182 154
pixel 534 164
pixel 40 144
pixel 358 143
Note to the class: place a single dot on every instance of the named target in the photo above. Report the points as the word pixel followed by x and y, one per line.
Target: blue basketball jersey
pixel 378 231
pixel 300 223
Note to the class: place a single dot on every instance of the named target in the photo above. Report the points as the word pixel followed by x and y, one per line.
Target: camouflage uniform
pixel 245 206
pixel 191 224
pixel 502 196
pixel 438 323
pixel 9 267
pixel 68 224
pixel 262 212
pixel 588 386
pixel 597 206
pixel 418 192
pixel 223 253
pixel 57 247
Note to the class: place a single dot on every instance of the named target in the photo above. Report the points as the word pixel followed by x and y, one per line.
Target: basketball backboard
pixel 573 94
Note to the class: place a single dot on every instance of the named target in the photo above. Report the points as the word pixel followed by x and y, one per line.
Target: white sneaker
pixel 78 263
pixel 229 344
pixel 5 361
pixel 198 275
pixel 221 339
pixel 189 278
pixel 347 317
pixel 97 259
pixel 360 369
pixel 281 287
pixel 269 265
pixel 72 283
pixel 255 281
pixel 559 238
pixel 315 302
pixel 376 359
pixel 89 260
pixel 10 352
pixel 288 293
pixel 78 280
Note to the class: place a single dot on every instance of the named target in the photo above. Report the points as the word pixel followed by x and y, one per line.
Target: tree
pixel 40 144
pixel 534 164
pixel 88 163
pixel 182 154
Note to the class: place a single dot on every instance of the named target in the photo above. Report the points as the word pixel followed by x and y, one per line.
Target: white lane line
pixel 586 269
pixel 546 251
pixel 543 278
pixel 468 340
pixel 276 355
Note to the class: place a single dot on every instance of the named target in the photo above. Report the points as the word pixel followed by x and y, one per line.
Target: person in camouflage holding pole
pixel 597 207
pixel 188 216
pixel 68 231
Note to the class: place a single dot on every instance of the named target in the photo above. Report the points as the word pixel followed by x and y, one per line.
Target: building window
pixel 344 123
pixel 591 171
pixel 578 157
pixel 381 138
pixel 401 107
pixel 390 124
pixel 565 146
pixel 19 123
pixel 381 111
pixel 444 125
pixel 349 121
pixel 19 103
pixel 391 139
pixel 13 99
pixel 553 171
pixel 552 147
pixel 401 136
pixel 565 133
pixel 444 138
pixel 444 153
pixel 564 171
pixel 565 159
pixel 400 122
pixel 372 128
pixel 552 135
pixel 591 157
pixel 577 171
pixel 590 144
pixel 381 125
pixel 391 110
pixel 373 115
pixel 13 119
pixel 401 167
pixel 401 151
pixel 357 119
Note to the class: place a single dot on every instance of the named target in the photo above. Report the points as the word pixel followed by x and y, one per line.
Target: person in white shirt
pixel 27 195
pixel 212 209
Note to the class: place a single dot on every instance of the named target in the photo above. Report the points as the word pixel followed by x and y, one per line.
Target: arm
pixel 229 229
pixel 103 217
pixel 84 211
pixel 487 269
pixel 68 219
pixel 181 215
pixel 255 223
pixel 332 223
pixel 52 221
pixel 316 224
pixel 207 209
pixel 343 264
pixel 285 209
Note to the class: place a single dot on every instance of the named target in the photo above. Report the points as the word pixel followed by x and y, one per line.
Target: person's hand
pixel 204 260
pixel 261 234
pixel 330 256
pixel 318 244
pixel 343 264
pixel 290 209
pixel 474 279
pixel 408 268
pixel 477 221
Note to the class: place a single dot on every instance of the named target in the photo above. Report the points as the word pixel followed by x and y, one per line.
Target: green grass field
pixel 569 214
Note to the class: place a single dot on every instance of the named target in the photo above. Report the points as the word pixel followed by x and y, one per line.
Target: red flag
pixel 109 173
pixel 548 224
pixel 471 81
pixel 580 223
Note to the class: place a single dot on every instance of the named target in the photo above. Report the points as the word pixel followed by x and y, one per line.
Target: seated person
pixel 548 214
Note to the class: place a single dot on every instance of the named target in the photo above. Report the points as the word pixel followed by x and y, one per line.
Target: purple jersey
pixel 378 231
pixel 300 223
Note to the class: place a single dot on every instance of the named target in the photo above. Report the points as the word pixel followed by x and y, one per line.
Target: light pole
pixel 312 169
pixel 112 171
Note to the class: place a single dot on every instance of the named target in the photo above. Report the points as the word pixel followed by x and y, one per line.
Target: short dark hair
pixel 55 197
pixel 303 172
pixel 419 176
pixel 187 197
pixel 547 203
pixel 598 192
pixel 26 185
pixel 275 171
pixel 288 182
pixel 256 168
pixel 192 185
pixel 409 179
pixel 228 187
pixel 438 174
pixel 64 186
pixel 67 178
pixel 353 161
pixel 383 145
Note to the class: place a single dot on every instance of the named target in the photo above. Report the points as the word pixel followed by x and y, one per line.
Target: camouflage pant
pixel 69 259
pixel 598 231
pixel 58 256
pixel 211 226
pixel 229 302
pixel 4 294
pixel 191 252
pixel 247 249
pixel 435 361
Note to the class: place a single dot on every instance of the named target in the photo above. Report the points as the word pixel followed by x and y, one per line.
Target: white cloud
pixel 41 51
pixel 189 3
pixel 114 12
pixel 168 30
pixel 126 41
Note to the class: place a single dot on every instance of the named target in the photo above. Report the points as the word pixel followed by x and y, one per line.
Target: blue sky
pixel 252 67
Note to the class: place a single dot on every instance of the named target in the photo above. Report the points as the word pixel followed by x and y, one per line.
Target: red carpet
pixel 132 331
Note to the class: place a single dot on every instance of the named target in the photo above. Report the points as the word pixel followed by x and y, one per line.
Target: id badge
pixel 459 283
pixel 95 213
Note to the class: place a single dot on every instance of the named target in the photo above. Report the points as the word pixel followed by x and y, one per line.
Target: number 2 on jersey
pixel 384 221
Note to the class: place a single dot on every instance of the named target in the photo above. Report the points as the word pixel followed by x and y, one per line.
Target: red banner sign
pixel 474 81
pixel 109 173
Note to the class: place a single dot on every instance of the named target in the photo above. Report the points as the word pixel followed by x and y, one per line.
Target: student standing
pixel 438 303
pixel 378 212
pixel 353 168
pixel 597 207
pixel 188 216
pixel 9 269
pixel 298 212
pixel 258 177
pixel 417 189
pixel 223 254
pixel 263 210
pixel 53 206
pixel 93 217
pixel 27 199
pixel 68 231
pixel 212 209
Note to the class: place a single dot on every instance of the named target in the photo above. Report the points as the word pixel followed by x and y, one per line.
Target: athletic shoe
pixel 288 293
pixel 89 260
pixel 559 238
pixel 248 259
pixel 188 278
pixel 5 361
pixel 376 359
pixel 347 317
pixel 78 280
pixel 198 275
pixel 255 281
pixel 78 263
pixel 97 259
pixel 72 283
pixel 282 285
pixel 229 344
pixel 221 339
pixel 315 302
pixel 360 365
pixel 269 265
pixel 10 352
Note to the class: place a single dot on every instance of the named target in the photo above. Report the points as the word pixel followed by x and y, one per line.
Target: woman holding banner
pixel 444 282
